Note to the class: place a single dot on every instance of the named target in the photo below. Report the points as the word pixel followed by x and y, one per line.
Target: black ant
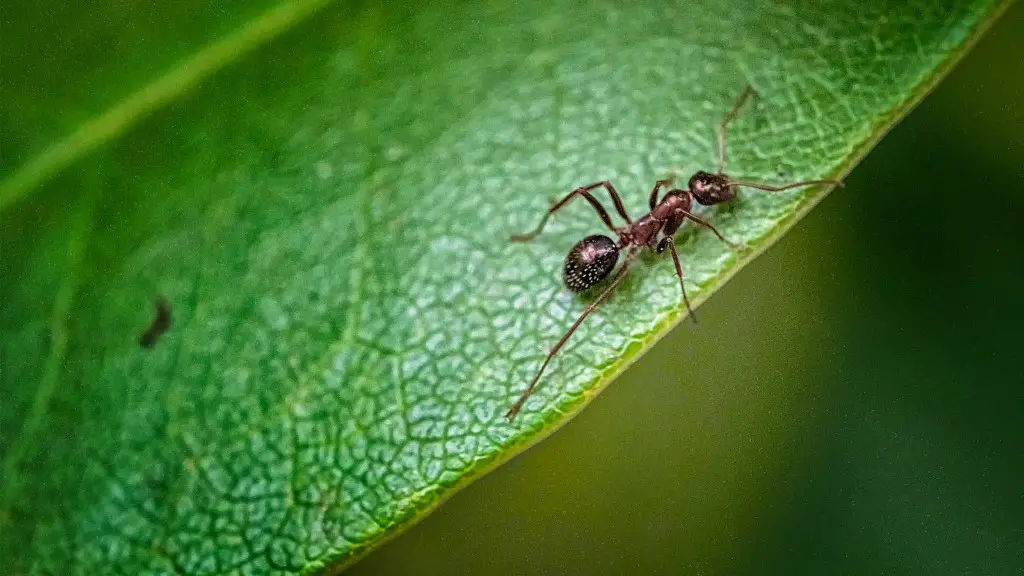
pixel 592 259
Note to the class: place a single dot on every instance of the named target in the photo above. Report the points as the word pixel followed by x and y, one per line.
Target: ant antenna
pixel 747 92
pixel 770 188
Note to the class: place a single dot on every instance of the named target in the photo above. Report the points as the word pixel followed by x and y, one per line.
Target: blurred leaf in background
pixel 328 217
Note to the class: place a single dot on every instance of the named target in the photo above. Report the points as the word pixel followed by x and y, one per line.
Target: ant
pixel 592 259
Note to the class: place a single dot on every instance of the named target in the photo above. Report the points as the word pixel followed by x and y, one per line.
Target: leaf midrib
pixel 182 77
pixel 60 314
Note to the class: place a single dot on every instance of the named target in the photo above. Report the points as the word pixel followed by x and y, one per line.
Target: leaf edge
pixel 334 565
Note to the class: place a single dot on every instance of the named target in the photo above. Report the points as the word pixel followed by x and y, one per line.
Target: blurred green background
pixel 853 402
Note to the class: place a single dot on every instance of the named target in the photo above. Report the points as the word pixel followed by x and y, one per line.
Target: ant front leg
pixel 585 192
pixel 698 220
pixel 657 188
pixel 670 243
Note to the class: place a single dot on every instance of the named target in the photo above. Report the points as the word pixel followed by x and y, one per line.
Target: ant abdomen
pixel 589 262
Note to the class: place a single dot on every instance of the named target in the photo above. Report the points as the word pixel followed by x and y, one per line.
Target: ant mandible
pixel 592 259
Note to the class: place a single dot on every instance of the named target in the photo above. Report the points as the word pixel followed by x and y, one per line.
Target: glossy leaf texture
pixel 328 218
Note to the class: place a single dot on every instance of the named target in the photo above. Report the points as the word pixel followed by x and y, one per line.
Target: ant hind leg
pixel 514 410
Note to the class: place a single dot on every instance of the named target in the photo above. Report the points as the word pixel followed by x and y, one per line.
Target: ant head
pixel 589 262
pixel 710 189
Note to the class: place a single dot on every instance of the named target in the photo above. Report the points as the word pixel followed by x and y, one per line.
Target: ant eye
pixel 589 262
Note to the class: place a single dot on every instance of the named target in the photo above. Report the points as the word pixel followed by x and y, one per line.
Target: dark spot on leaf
pixel 161 322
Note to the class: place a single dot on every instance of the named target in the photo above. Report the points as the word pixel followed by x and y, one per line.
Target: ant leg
pixel 657 188
pixel 526 237
pixel 770 188
pixel 585 192
pixel 514 410
pixel 740 101
pixel 709 226
pixel 669 242
pixel 615 198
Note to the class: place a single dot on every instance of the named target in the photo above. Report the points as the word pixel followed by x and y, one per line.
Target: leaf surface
pixel 328 218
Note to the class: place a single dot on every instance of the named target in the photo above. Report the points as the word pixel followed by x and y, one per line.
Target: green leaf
pixel 328 218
